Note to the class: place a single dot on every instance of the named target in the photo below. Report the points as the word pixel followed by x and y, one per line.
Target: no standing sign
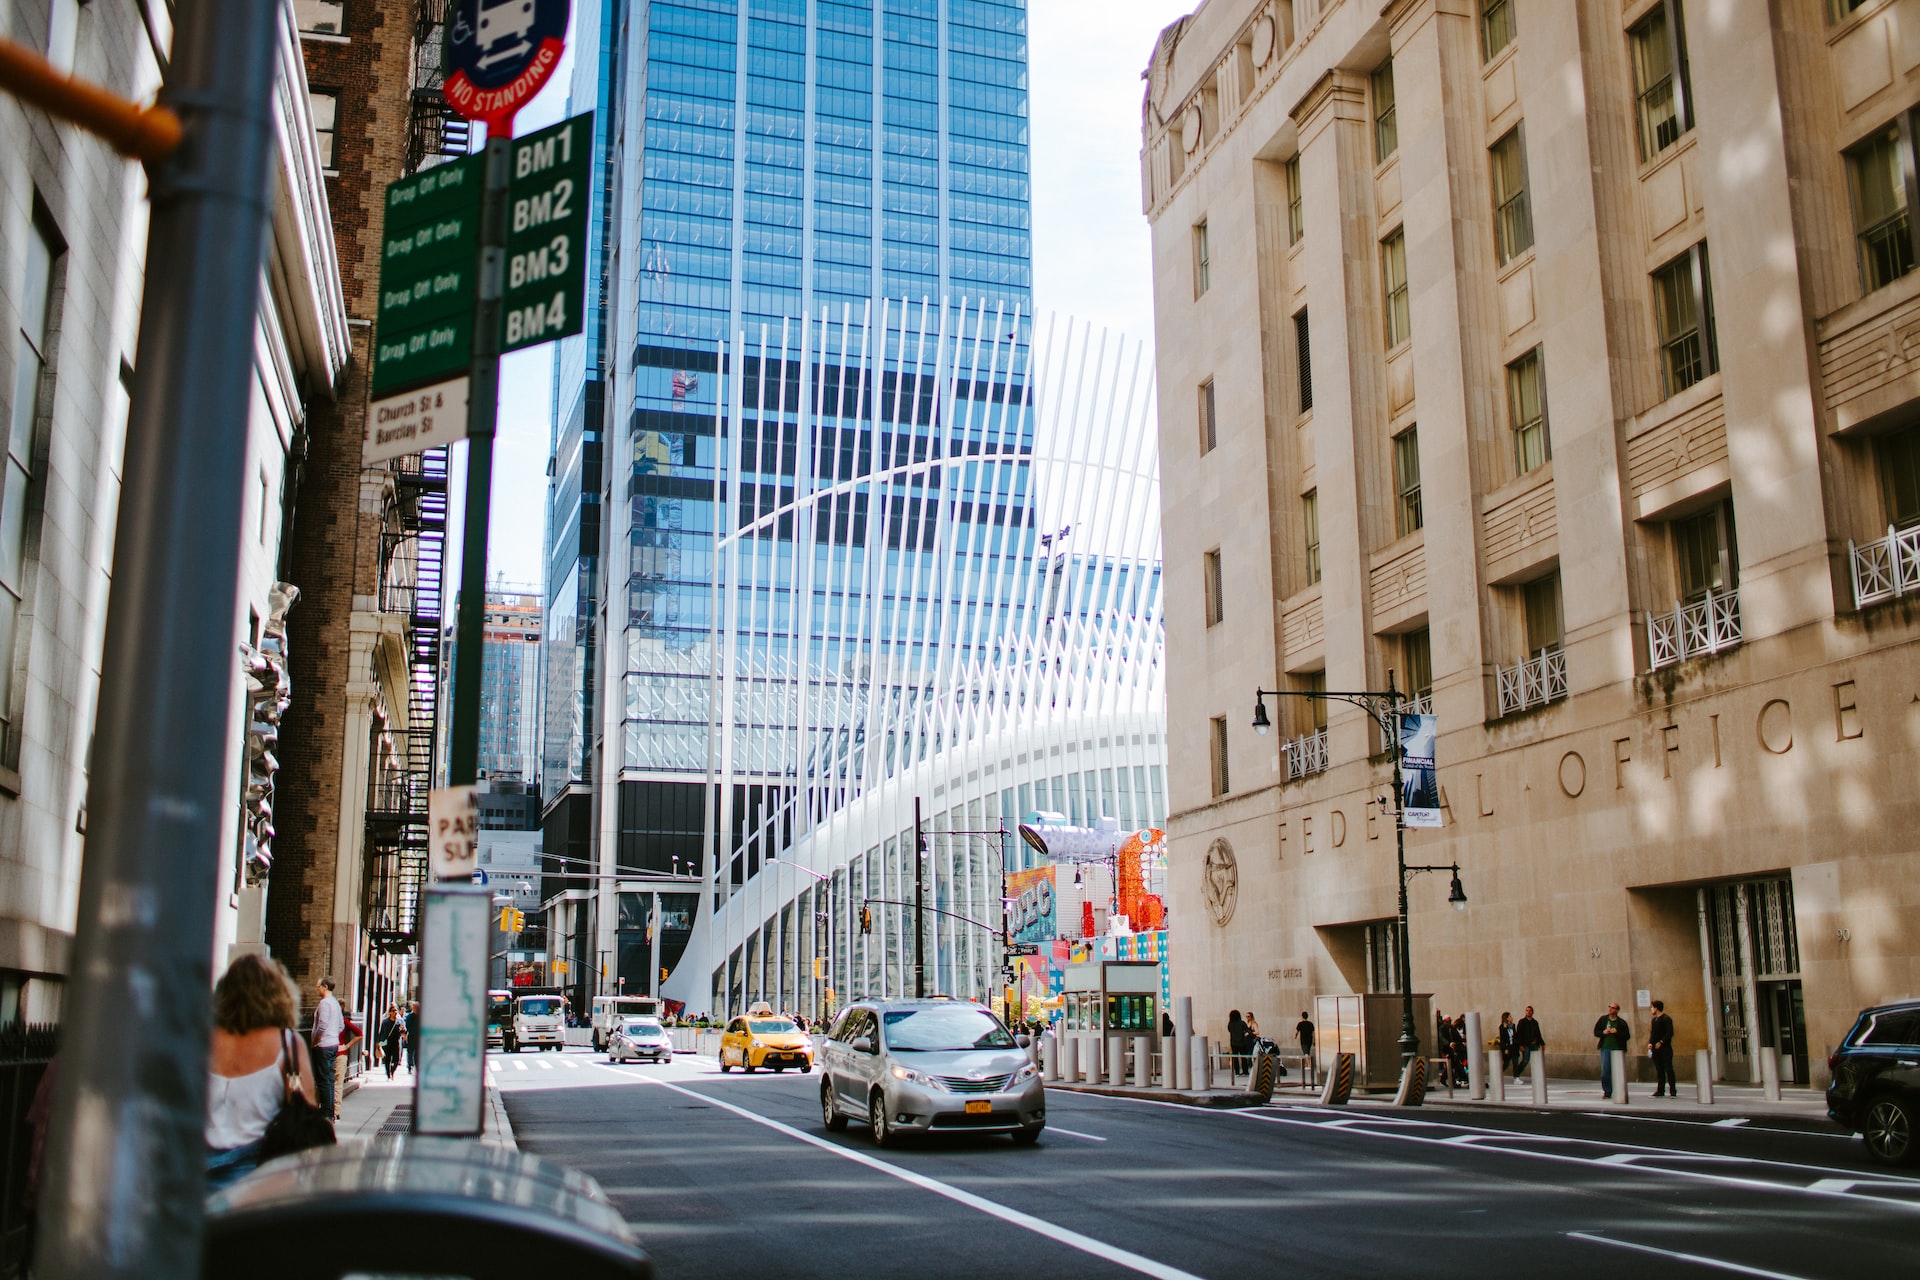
pixel 499 54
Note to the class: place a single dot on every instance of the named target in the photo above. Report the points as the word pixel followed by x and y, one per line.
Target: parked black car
pixel 1876 1081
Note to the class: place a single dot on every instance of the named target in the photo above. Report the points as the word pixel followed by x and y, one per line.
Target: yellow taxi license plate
pixel 980 1108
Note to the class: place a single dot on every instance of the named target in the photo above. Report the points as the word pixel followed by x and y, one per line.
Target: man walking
pixel 1612 1034
pixel 413 1037
pixel 327 1025
pixel 1660 1045
pixel 1303 1033
pixel 1527 1041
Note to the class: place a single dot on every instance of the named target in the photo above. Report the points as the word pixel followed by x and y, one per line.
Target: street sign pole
pixel 483 396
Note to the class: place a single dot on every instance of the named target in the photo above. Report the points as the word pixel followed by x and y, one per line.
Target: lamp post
pixel 1383 708
pixel 819 1004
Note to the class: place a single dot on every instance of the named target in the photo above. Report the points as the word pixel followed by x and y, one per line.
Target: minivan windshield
pixel 540 1006
pixel 945 1030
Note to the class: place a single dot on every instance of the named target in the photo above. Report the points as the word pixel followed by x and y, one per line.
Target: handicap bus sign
pixel 499 54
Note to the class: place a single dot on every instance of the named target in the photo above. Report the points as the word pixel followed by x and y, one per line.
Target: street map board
pixel 450 1086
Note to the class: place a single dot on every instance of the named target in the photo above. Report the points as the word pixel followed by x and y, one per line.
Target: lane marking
pixel 543 1064
pixel 1733 1123
pixel 1720 1264
pixel 1039 1226
pixel 569 1062
pixel 1074 1133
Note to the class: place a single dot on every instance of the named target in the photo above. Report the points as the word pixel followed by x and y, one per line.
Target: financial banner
pixel 1419 779
pixel 1032 894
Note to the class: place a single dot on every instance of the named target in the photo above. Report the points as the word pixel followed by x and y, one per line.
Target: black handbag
pixel 299 1125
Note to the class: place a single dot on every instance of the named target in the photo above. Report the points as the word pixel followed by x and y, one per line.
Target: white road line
pixel 1039 1226
pixel 543 1064
pixel 1733 1123
pixel 1071 1133
pixel 519 1065
pixel 1720 1264
pixel 568 1062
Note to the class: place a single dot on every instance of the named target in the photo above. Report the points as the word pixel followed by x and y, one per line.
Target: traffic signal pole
pixel 125 1180
pixel 463 746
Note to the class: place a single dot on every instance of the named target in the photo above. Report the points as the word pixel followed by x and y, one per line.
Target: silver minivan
pixel 929 1066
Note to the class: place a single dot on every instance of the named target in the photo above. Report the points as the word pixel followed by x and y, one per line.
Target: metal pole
pixel 463 754
pixel 126 1170
pixel 919 906
pixel 1409 1034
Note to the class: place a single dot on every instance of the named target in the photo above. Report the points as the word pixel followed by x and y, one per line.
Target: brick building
pixel 367 546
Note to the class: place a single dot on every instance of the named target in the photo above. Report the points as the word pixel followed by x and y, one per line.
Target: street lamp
pixel 1383 708
pixel 819 1001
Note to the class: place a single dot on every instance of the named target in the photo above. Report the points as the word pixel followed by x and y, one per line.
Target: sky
pixel 1090 251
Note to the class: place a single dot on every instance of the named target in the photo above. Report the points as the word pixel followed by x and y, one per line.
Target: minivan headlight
pixel 1026 1073
pixel 916 1077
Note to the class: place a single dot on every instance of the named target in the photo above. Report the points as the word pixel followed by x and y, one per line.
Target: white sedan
pixel 639 1038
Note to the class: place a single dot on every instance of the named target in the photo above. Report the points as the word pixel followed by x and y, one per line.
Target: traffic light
pixel 866 919
pixel 519 920
pixel 506 919
pixel 663 973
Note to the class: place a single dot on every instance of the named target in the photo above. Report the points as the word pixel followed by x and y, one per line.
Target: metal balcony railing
pixel 1306 754
pixel 1708 625
pixel 1533 682
pixel 1419 704
pixel 1885 568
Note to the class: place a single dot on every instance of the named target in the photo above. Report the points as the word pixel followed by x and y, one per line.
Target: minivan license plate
pixel 980 1108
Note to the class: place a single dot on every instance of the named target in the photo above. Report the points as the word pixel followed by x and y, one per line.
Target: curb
pixel 499 1129
pixel 1225 1098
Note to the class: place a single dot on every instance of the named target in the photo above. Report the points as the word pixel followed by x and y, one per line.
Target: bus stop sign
pixel 499 54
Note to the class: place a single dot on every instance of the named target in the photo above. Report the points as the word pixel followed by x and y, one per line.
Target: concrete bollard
pixel 1619 1075
pixel 1496 1077
pixel 1770 1072
pixel 1142 1062
pixel 1476 1061
pixel 1703 1076
pixel 1182 1043
pixel 1116 1060
pixel 1049 1062
pixel 1202 1065
pixel 1538 1069
pixel 1090 1059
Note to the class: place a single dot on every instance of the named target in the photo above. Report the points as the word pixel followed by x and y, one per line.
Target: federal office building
pixel 1556 362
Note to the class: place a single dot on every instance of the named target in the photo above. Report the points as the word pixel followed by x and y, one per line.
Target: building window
pixel 1316 709
pixel 326 109
pixel 1683 312
pixel 1416 663
pixel 1208 437
pixel 31 356
pixel 1540 614
pixel 1704 553
pixel 1512 215
pixel 1210 579
pixel 1527 405
pixel 1202 266
pixel 1386 126
pixel 1296 224
pixel 1310 520
pixel 1496 27
pixel 1841 10
pixel 1661 84
pixel 1877 178
pixel 1406 481
pixel 1217 744
pixel 1303 358
pixel 1393 288
pixel 1900 476
pixel 326 17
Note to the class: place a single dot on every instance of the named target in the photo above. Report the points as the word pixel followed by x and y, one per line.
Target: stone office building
pixel 1556 362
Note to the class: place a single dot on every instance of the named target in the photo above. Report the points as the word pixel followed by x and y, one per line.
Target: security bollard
pixel 1476 1063
pixel 1116 1060
pixel 1539 1069
pixel 1703 1076
pixel 1770 1072
pixel 1619 1075
pixel 1496 1074
pixel 1049 1059
pixel 1182 1043
pixel 1202 1065
pixel 1142 1062
pixel 1090 1059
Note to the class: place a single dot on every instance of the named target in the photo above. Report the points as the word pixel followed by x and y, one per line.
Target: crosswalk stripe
pixel 543 1064
pixel 568 1062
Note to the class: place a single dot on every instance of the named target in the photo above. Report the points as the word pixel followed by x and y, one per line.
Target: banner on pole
pixel 1419 778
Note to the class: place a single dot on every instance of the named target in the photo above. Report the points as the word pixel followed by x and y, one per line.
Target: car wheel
pixel 1888 1130
pixel 807 1070
pixel 829 1112
pixel 746 1064
pixel 1027 1135
pixel 779 1071
pixel 877 1120
pixel 724 1064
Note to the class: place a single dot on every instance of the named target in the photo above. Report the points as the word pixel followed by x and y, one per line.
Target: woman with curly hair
pixel 257 1060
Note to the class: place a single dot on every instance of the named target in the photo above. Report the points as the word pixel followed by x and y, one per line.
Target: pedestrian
pixel 413 1037
pixel 390 1033
pixel 1508 1036
pixel 1236 1040
pixel 252 1063
pixel 1527 1039
pixel 1660 1049
pixel 1611 1033
pixel 328 1022
pixel 1253 1031
pixel 1166 1024
pixel 350 1035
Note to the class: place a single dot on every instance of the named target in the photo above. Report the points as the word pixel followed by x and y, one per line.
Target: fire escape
pixel 413 535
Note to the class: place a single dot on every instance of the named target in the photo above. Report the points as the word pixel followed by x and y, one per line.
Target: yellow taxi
pixel 765 1039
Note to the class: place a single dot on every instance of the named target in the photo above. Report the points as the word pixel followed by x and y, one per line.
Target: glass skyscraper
pixel 792 502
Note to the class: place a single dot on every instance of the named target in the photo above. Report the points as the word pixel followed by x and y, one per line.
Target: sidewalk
pixel 381 1105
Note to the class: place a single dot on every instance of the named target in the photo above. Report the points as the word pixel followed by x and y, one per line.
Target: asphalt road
pixel 735 1176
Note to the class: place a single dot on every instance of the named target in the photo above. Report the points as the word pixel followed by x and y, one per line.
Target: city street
pixel 735 1175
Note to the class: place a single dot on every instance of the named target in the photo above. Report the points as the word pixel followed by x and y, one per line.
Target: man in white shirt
pixel 327 1025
